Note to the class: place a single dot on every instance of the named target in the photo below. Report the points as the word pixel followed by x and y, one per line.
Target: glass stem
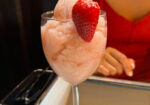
pixel 75 94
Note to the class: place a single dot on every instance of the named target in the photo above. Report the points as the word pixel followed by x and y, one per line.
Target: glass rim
pixel 44 15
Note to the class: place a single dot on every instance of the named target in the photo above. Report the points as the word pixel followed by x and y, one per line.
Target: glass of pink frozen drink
pixel 72 57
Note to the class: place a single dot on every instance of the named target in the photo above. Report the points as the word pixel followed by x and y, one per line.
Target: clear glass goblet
pixel 67 53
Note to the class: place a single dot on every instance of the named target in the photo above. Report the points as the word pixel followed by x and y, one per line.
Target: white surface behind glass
pixel 58 93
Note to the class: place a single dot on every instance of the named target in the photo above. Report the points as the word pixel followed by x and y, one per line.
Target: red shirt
pixel 132 39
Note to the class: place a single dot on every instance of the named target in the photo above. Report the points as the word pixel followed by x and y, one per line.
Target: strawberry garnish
pixel 85 16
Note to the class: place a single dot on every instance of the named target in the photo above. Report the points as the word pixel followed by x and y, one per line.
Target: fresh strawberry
pixel 85 16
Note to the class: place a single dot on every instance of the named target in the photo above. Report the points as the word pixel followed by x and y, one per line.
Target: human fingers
pixel 121 58
pixel 109 58
pixel 132 63
pixel 102 70
pixel 112 70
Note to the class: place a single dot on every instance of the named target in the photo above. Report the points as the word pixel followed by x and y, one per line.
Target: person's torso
pixel 131 38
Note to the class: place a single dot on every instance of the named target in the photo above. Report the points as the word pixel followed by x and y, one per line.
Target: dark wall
pixel 20 42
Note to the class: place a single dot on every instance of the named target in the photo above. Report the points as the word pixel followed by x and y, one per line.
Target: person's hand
pixel 115 63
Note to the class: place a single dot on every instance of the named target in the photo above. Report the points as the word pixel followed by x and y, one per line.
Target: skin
pixel 132 10
pixel 115 62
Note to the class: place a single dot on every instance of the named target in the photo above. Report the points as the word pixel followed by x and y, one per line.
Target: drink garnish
pixel 85 16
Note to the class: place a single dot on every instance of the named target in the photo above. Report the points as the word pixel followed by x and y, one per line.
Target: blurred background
pixel 20 41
